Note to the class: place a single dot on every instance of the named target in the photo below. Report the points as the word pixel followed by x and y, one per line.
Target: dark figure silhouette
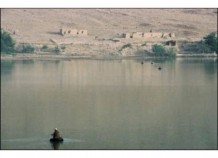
pixel 56 145
pixel 56 136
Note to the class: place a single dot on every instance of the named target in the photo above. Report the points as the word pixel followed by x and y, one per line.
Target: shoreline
pixel 73 57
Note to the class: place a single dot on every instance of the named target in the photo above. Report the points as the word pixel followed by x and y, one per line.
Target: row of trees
pixel 207 45
pixel 8 46
pixel 161 51
pixel 7 43
pixel 211 42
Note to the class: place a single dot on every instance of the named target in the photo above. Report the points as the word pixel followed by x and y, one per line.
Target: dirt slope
pixel 40 25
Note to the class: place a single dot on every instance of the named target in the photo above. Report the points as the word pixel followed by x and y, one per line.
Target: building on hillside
pixel 137 34
pixel 83 32
pixel 171 43
pixel 73 32
pixel 149 35
pixel 127 35
pixel 65 31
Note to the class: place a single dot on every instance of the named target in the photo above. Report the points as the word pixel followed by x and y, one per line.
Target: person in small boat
pixel 56 134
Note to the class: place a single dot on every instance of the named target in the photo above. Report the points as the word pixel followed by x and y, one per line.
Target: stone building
pixel 127 35
pixel 137 34
pixel 64 31
pixel 83 32
pixel 149 35
pixel 73 32
pixel 171 43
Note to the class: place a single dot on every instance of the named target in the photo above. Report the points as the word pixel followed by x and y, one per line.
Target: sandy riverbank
pixel 71 57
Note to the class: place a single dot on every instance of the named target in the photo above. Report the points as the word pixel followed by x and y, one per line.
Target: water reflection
pixel 7 67
pixel 27 61
pixel 56 145
pixel 156 60
pixel 163 60
pixel 210 66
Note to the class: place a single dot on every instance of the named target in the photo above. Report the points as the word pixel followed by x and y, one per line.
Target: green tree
pixel 44 47
pixel 171 52
pixel 57 49
pixel 28 49
pixel 158 50
pixel 211 41
pixel 7 43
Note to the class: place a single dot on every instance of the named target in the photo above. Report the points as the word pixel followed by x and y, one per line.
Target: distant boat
pixel 56 136
pixel 56 140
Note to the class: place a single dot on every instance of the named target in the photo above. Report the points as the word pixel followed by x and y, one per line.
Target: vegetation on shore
pixel 55 49
pixel 128 45
pixel 25 48
pixel 162 51
pixel 7 43
pixel 8 46
pixel 207 45
pixel 211 42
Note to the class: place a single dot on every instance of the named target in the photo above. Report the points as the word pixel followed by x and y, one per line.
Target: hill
pixel 38 25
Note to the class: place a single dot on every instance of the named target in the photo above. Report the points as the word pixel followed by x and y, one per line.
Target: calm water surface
pixel 109 104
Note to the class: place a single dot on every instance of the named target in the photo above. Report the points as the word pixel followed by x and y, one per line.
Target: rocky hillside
pixel 41 25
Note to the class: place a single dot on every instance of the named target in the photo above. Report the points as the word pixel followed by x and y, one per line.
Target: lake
pixel 109 104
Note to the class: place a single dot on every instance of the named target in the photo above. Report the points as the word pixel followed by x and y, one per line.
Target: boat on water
pixel 56 136
pixel 56 139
